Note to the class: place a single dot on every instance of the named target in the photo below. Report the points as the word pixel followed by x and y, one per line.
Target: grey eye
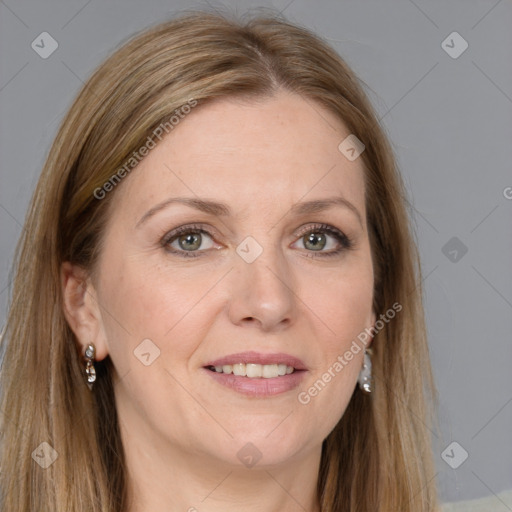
pixel 315 241
pixel 190 241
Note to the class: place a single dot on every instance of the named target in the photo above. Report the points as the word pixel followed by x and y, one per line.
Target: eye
pixel 318 237
pixel 193 240
pixel 187 240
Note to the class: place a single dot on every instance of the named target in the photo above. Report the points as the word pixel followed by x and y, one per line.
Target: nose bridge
pixel 263 282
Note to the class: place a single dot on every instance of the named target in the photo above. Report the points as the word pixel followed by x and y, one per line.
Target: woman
pixel 217 301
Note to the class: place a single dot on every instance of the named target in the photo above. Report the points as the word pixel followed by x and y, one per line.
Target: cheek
pixel 344 306
pixel 343 303
pixel 142 302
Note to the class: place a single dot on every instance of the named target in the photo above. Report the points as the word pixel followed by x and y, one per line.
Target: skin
pixel 181 430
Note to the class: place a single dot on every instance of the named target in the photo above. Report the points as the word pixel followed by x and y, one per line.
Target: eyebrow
pixel 223 210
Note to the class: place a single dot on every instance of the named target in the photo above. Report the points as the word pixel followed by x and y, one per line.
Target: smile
pixel 254 370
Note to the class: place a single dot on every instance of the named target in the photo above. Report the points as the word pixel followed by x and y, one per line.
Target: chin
pixel 252 448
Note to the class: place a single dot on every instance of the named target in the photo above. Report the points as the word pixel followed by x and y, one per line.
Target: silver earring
pixel 90 371
pixel 365 375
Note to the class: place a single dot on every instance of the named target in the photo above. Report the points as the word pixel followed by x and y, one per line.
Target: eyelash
pixel 345 242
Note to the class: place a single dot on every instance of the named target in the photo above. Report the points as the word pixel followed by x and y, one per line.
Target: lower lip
pixel 259 387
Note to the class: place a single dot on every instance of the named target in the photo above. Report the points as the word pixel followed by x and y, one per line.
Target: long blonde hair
pixel 378 458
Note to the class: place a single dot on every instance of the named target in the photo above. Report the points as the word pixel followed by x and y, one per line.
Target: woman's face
pixel 264 275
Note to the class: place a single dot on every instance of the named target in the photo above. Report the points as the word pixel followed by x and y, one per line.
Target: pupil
pixel 190 239
pixel 314 239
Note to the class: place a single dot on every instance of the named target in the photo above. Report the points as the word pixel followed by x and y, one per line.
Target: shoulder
pixel 501 502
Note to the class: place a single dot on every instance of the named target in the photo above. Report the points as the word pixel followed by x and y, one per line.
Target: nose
pixel 263 292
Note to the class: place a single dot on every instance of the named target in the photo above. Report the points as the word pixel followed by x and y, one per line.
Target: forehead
pixel 263 153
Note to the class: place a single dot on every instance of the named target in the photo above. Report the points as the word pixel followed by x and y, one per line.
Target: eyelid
pixel 170 236
pixel 187 228
pixel 341 237
pixel 345 242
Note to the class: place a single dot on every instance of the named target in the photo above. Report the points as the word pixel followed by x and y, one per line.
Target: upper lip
pixel 259 358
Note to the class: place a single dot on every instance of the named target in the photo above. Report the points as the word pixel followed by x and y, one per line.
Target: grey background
pixel 450 121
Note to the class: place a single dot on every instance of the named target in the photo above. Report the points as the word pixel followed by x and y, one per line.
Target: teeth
pixel 255 371
pixel 270 370
pixel 239 369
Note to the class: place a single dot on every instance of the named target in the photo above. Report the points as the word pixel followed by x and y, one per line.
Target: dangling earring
pixel 90 372
pixel 365 375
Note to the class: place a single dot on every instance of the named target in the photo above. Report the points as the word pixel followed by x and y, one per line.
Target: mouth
pixel 254 370
pixel 258 375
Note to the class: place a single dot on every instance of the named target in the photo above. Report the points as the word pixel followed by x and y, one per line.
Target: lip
pixel 259 358
pixel 258 387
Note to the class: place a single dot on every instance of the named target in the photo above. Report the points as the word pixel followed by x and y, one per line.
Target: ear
pixel 82 310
